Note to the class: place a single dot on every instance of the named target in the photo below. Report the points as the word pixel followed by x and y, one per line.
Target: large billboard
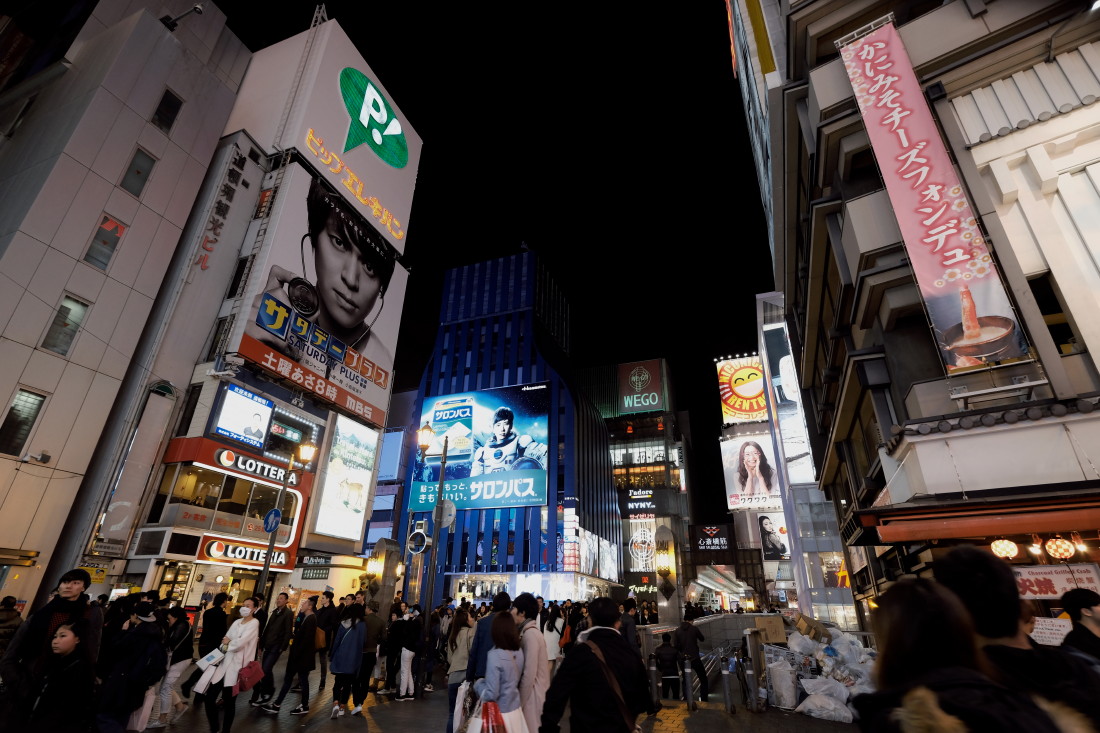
pixel 342 120
pixel 349 475
pixel 244 416
pixel 748 466
pixel 496 449
pixel 766 530
pixel 741 387
pixel 965 299
pixel 641 388
pixel 324 300
pixel 787 403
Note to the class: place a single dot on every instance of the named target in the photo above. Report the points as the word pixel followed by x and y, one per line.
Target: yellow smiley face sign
pixel 741 386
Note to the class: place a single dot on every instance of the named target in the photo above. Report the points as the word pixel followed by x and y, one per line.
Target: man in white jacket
pixel 535 679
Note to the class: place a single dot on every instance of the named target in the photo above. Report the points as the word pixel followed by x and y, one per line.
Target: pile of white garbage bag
pixel 846 671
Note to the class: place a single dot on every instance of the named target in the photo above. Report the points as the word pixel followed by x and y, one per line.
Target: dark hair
pixel 8 602
pixel 553 614
pixel 986 586
pixel 329 594
pixel 501 601
pixel 629 603
pixel 353 612
pixel 177 613
pixel 260 596
pixel 760 520
pixel 765 467
pixel 504 413
pixel 321 206
pixel 77 574
pixel 666 637
pixel 284 595
pixel 1073 601
pixel 313 600
pixel 921 626
pixel 220 599
pixel 504 632
pixel 526 604
pixel 603 611
pixel 460 622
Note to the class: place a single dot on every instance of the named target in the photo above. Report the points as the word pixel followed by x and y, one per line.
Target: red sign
pixel 240 553
pixel 965 300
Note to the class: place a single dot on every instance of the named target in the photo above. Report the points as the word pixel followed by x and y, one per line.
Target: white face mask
pixel 245 611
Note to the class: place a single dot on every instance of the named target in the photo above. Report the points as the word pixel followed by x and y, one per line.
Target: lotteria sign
pixel 238 553
pixel 255 467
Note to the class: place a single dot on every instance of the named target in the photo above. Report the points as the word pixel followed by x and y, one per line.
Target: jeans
pixel 174 672
pixel 452 700
pixel 288 682
pixel 406 686
pixel 228 710
pixel 366 673
pixel 266 685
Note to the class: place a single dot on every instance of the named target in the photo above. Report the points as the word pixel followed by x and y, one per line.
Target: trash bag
pixel 825 708
pixel 782 678
pixel 800 644
pixel 825 686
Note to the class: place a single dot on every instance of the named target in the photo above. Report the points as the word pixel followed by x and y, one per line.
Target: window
pixel 18 422
pixel 105 242
pixel 190 403
pixel 66 322
pixel 169 107
pixel 220 335
pixel 137 173
pixel 237 282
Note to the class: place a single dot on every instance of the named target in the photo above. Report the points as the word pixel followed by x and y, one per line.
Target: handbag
pixel 320 640
pixel 210 660
pixel 465 707
pixel 248 676
pixel 566 637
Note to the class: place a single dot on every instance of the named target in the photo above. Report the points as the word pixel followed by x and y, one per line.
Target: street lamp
pixel 306 452
pixel 664 559
pixel 374 569
pixel 424 439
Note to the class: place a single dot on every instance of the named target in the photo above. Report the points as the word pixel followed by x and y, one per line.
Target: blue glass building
pixel 504 323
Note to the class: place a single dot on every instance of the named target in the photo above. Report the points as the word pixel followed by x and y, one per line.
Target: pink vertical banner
pixel 970 311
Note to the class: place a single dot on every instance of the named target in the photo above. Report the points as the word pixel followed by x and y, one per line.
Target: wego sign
pixel 640 387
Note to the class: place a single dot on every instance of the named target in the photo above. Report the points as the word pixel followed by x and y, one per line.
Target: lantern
pixel 1059 548
pixel 1004 548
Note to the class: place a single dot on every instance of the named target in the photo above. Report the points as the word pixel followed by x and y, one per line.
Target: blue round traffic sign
pixel 272 520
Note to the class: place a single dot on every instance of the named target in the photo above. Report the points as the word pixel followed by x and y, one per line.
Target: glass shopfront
pixel 481 587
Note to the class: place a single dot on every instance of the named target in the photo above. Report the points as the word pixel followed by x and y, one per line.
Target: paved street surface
pixel 429 715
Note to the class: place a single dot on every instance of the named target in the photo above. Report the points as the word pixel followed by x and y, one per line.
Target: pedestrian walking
pixel 686 640
pixel 273 642
pixel 10 621
pixel 347 656
pixel 411 645
pixel 373 631
pixel 535 675
pixel 552 628
pixel 63 700
pixel 392 647
pixel 458 654
pixel 668 666
pixel 215 622
pixel 327 618
pixel 180 643
pixel 300 661
pixel 503 669
pixel 483 637
pixel 134 663
pixel 219 681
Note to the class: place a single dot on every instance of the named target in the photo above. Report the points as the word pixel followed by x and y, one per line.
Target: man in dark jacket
pixel 629 629
pixel 582 682
pixel 300 661
pixel 1083 607
pixel 327 618
pixel 687 640
pixel 273 642
pixel 215 624
pixel 483 638
pixel 31 640
pixel 375 630
pixel 668 666
pixel 136 662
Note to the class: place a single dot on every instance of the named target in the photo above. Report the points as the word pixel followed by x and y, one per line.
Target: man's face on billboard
pixel 347 282
pixel 501 428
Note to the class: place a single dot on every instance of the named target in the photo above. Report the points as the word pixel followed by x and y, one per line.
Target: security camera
pixel 197 8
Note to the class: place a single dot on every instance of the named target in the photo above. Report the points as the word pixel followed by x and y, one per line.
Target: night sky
pixel 610 138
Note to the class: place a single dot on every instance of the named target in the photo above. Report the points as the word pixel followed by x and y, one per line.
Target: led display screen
pixel 345 497
pixel 244 416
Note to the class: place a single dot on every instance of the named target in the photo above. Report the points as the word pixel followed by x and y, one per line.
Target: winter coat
pixel 410 634
pixel 279 629
pixel 303 653
pixel 687 638
pixel 580 683
pixel 10 619
pixel 180 642
pixel 551 632
pixel 215 622
pixel 1048 672
pixel 64 695
pixel 459 657
pixel 501 681
pixel 374 629
pixel 479 650
pixel 31 641
pixel 347 648
pixel 327 618
pixel 136 661
pixel 535 680
pixel 958 700
pixel 668 660
pixel 629 629
pixel 243 637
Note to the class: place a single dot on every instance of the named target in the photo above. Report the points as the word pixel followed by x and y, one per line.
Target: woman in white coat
pixel 240 649
pixel 552 627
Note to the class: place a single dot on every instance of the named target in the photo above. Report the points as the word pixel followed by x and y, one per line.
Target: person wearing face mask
pixel 64 684
pixel 239 645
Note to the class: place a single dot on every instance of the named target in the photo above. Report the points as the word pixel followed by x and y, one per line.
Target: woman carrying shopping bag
pixel 458 654
pixel 499 688
pixel 240 649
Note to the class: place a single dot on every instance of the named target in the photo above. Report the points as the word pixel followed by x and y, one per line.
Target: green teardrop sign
pixel 373 120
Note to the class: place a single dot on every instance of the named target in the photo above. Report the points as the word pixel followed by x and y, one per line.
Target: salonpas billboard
pixel 324 300
pixel 342 120
pixel 496 449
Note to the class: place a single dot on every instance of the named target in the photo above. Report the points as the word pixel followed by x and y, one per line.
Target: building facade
pixel 927 437
pixel 548 520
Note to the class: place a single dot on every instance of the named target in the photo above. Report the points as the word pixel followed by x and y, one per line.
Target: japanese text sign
pixel 954 269
pixel 1051 582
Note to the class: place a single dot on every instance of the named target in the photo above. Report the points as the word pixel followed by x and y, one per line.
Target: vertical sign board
pixel 748 467
pixel 641 388
pixel 965 299
pixel 741 387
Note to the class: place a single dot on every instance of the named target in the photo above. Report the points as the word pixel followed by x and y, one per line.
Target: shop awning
pixel 958 520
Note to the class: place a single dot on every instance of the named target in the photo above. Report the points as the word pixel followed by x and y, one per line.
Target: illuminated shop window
pixel 105 242
pixel 66 322
pixel 17 424
pixel 137 173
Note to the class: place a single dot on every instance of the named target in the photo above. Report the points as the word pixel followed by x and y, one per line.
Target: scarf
pixel 584 634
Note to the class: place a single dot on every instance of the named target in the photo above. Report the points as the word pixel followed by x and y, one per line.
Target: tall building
pixel 932 170
pixel 527 462
pixel 110 122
